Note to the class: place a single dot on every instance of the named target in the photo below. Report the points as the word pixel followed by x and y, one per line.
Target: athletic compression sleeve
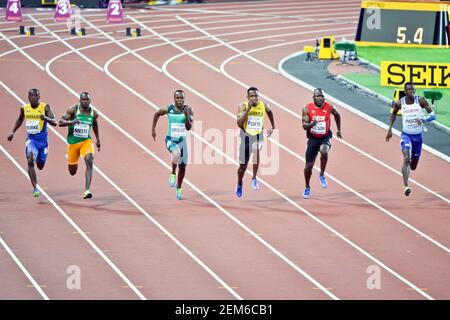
pixel 430 117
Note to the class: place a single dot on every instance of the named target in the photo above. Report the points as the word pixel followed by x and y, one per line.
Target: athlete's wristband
pixel 430 117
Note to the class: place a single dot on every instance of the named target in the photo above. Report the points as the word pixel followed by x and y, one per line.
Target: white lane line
pixel 14 257
pixel 366 117
pixel 270 187
pixel 55 57
pixel 222 68
pixel 253 5
pixel 247 229
pixel 170 34
pixel 145 213
pixel 273 13
pixel 96 66
pixel 77 228
pixel 246 54
pixel 309 214
pixel 122 46
pixel 61 211
pixel 22 52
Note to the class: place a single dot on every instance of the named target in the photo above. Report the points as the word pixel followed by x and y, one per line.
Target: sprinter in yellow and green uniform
pixel 180 117
pixel 80 118
pixel 36 115
pixel 250 119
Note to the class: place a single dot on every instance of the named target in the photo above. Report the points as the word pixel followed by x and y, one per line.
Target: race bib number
pixel 32 126
pixel 319 128
pixel 178 130
pixel 81 130
pixel 411 122
pixel 254 123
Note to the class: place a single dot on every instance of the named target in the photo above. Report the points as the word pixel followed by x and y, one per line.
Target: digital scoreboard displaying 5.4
pixel 403 23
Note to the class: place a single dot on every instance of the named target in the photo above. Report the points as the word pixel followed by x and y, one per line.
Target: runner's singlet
pixel 36 128
pixel 82 131
pixel 410 113
pixel 255 119
pixel 322 116
pixel 176 129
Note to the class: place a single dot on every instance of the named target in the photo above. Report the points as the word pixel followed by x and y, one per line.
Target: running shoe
pixel 36 193
pixel 407 190
pixel 239 191
pixel 87 194
pixel 172 179
pixel 255 184
pixel 307 193
pixel 323 181
pixel 179 194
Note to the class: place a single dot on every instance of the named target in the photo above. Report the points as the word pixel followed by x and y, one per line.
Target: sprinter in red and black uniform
pixel 316 122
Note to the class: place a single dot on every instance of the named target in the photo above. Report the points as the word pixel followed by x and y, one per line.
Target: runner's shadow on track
pixel 100 206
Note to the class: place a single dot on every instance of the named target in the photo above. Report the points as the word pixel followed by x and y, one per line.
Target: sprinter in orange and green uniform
pixel 36 115
pixel 80 119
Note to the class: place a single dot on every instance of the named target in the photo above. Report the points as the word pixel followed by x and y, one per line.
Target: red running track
pixel 134 240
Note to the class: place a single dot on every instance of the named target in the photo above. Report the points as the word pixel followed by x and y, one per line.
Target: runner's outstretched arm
pixel 158 114
pixel 17 125
pixel 95 129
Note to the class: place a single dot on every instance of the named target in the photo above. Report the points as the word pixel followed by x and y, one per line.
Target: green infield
pixel 377 54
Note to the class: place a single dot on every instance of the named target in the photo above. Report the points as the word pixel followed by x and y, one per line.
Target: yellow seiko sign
pixel 422 74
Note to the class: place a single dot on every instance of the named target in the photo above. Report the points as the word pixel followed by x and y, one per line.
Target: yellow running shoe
pixel 172 179
pixel 179 194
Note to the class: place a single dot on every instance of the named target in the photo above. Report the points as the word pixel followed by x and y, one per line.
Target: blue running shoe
pixel 323 181
pixel 255 184
pixel 179 194
pixel 307 193
pixel 172 180
pixel 239 191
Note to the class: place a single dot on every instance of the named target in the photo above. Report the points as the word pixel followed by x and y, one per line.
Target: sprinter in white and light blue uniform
pixel 411 107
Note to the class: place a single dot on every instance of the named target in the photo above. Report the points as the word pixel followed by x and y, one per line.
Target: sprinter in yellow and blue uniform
pixel 36 115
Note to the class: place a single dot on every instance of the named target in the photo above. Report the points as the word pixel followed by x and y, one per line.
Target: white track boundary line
pixel 76 94
pixel 145 213
pixel 14 257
